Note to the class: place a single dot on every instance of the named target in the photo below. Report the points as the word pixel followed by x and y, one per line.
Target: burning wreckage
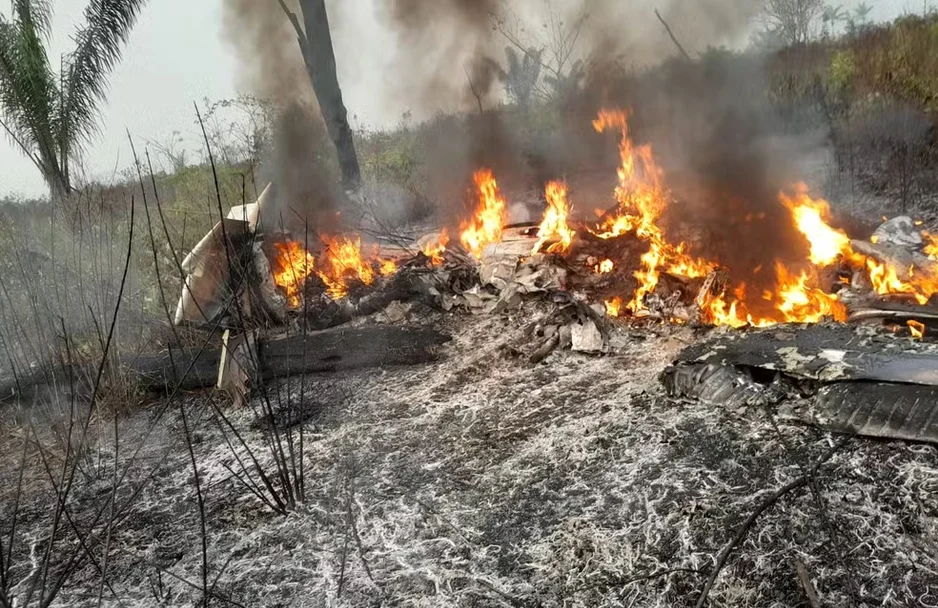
pixel 835 333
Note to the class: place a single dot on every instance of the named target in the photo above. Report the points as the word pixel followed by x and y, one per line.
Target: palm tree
pixel 522 75
pixel 831 15
pixel 50 116
pixel 862 12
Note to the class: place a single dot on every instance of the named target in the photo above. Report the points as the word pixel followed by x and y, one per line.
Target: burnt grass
pixel 482 480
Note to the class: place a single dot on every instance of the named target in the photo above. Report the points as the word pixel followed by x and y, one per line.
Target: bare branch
pixel 475 93
pixel 743 530
pixel 671 34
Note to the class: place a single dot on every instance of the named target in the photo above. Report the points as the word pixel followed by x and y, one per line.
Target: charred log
pixel 195 368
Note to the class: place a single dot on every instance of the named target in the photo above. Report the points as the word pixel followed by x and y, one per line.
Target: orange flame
pixel 613 307
pixel 491 214
pixel 828 245
pixel 931 245
pixel 795 299
pixel 811 217
pixel 641 199
pixel 604 267
pixel 916 328
pixel 291 268
pixel 341 263
pixel 801 303
pixel 435 251
pixel 344 263
pixel 554 225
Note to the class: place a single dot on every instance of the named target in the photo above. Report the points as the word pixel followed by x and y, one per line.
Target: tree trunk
pixel 58 187
pixel 320 64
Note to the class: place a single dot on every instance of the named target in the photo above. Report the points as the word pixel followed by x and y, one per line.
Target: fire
pixel 604 267
pixel 795 299
pixel 344 263
pixel 341 263
pixel 811 217
pixel 554 225
pixel 613 307
pixel 799 302
pixel 291 269
pixel 434 251
pixel 641 199
pixel 917 329
pixel 491 214
pixel 718 313
pixel 931 245
pixel 828 245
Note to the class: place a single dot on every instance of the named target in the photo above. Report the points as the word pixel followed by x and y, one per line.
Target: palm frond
pixel 84 79
pixel 28 91
pixel 11 115
pixel 514 63
pixel 37 14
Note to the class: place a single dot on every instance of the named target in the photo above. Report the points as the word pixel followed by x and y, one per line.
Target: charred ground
pixel 481 480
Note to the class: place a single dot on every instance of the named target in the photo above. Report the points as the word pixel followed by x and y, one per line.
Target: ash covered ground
pixel 483 480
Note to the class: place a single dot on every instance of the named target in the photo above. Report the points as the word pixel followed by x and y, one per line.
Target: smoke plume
pixel 266 47
pixel 441 51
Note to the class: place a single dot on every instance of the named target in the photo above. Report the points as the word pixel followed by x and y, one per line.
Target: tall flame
pixel 811 217
pixel 491 214
pixel 641 198
pixel 554 225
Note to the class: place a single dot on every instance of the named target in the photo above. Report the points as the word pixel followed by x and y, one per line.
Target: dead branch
pixel 472 87
pixel 300 34
pixel 747 525
pixel 670 34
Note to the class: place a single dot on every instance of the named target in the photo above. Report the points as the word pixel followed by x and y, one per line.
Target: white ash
pixel 482 480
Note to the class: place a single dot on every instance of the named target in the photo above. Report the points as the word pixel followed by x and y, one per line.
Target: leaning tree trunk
pixel 316 45
pixel 59 187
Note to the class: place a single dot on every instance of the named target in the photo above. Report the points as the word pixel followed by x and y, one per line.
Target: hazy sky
pixel 177 55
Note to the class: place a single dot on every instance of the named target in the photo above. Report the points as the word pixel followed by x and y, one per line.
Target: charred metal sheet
pixel 891 411
pixel 872 409
pixel 722 385
pixel 825 353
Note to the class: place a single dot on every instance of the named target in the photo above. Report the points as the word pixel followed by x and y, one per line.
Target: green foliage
pixel 895 60
pixel 842 71
pixel 49 115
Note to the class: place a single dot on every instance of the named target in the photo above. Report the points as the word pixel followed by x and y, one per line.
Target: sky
pixel 178 55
